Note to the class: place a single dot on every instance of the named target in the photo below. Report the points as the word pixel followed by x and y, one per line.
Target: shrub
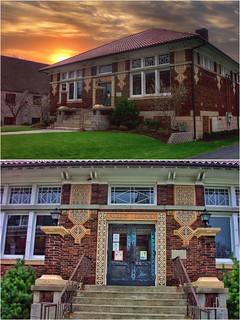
pixel 220 134
pixel 126 113
pixel 231 281
pixel 16 296
pixel 152 123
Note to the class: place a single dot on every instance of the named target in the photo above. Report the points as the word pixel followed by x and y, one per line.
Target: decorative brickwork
pixel 78 218
pixel 161 249
pixel 185 219
pixel 184 195
pixel 80 194
pixel 66 190
pixel 101 249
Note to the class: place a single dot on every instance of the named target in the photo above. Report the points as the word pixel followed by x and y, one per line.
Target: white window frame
pixel 30 238
pixel 109 65
pixel 47 203
pixel 132 186
pixel 20 187
pixel 218 188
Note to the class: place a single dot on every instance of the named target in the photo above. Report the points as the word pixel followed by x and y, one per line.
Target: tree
pixel 126 113
pixel 16 296
pixel 20 103
pixel 231 281
pixel 43 106
pixel 170 101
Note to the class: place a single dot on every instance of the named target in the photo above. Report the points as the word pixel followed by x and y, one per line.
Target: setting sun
pixel 58 57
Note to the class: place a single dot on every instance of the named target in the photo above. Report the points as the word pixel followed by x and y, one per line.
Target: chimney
pixel 203 33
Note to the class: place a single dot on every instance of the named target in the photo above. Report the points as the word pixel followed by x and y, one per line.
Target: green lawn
pixel 100 145
pixel 17 128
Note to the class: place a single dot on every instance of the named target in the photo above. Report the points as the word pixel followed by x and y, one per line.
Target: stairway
pixel 117 302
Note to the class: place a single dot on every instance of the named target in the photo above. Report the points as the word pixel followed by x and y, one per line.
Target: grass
pixel 17 128
pixel 100 145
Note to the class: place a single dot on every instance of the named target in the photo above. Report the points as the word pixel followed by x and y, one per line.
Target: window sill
pixel 27 262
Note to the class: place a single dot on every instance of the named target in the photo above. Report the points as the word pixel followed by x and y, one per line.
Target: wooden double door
pixel 131 255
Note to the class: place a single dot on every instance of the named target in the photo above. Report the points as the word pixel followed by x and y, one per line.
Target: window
pixel 237 195
pixel 149 61
pixel 10 98
pixel 49 195
pixel 1 194
pixel 136 63
pixel 149 82
pixel 137 84
pixel 164 80
pixel 63 87
pixel 40 236
pixel 20 195
pixel 71 74
pixel 71 91
pixel 223 241
pixel 164 59
pixel 37 100
pixel 64 75
pixel 216 197
pixel 79 90
pixel 132 195
pixel 105 69
pixel 16 234
pixel 79 73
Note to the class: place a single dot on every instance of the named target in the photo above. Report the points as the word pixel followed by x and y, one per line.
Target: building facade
pixel 24 92
pixel 131 217
pixel 181 79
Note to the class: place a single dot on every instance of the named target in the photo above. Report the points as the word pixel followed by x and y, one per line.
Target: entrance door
pixel 131 255
pixel 107 89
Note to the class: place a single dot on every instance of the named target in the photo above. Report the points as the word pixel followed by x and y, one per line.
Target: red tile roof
pixel 147 38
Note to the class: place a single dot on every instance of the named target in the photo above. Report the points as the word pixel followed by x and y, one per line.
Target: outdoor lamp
pixel 205 217
pixel 55 216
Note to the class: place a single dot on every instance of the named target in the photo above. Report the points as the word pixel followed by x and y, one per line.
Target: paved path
pixel 35 131
pixel 230 152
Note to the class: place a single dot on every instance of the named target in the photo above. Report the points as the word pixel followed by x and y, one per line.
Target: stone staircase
pixel 117 302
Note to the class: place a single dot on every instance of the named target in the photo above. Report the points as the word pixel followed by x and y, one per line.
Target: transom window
pixel 20 195
pixel 217 197
pixel 237 196
pixel 107 68
pixel 49 195
pixel 1 194
pixel 132 195
pixel 164 59
pixel 149 61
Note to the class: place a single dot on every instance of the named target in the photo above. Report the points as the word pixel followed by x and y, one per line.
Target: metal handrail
pixel 194 308
pixel 61 308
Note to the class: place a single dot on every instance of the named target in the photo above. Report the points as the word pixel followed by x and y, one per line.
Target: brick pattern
pixel 165 195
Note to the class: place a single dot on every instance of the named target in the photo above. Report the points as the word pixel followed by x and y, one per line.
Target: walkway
pixel 230 152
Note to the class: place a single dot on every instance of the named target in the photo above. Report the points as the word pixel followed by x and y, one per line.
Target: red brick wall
pixel 165 195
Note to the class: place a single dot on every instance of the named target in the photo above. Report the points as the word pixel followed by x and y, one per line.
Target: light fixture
pixel 55 216
pixel 205 217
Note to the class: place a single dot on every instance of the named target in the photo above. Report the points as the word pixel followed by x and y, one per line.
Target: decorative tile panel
pixel 179 57
pixel 185 219
pixel 161 249
pixel 101 248
pixel 80 194
pixel 184 195
pixel 78 218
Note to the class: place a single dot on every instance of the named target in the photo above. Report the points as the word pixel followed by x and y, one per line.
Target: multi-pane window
pixel 105 68
pixel 71 91
pixel 217 196
pixel 49 195
pixel 164 80
pixel 64 75
pixel 79 90
pixel 136 63
pixel 164 59
pixel 237 195
pixel 137 84
pixel 20 195
pixel 79 73
pixel 150 82
pixel 71 74
pixel 10 98
pixel 223 241
pixel 1 194
pixel 16 234
pixel 40 236
pixel 132 195
pixel 149 61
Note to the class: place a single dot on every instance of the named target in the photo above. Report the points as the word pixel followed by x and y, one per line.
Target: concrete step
pixel 129 301
pixel 124 316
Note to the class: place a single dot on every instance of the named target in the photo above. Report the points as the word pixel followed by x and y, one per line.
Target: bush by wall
pixel 16 295
pixel 125 113
pixel 231 281
pixel 220 134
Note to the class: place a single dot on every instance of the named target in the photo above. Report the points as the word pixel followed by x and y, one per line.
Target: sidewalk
pixel 230 152
pixel 36 131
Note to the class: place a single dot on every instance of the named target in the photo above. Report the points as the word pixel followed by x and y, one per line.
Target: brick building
pixel 131 217
pixel 149 67
pixel 24 92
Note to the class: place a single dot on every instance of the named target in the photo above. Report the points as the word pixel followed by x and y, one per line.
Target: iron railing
pixel 61 308
pixel 194 309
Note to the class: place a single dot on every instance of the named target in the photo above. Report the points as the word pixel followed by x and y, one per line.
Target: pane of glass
pixel 122 242
pixel 105 69
pixel 71 74
pixel 136 63
pixel 79 90
pixel 164 80
pixel 142 195
pixel 150 83
pixel 121 195
pixel 223 238
pixel 218 197
pixel 149 61
pixel 137 84
pixel 164 59
pixel 20 195
pixel 143 247
pixel 1 194
pixel 49 195
pixel 71 91
pixel 79 73
pixel 40 236
pixel 16 235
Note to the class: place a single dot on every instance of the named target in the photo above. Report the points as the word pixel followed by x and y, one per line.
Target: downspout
pixel 193 94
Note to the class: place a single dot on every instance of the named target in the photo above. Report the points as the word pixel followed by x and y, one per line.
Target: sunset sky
pixel 49 31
